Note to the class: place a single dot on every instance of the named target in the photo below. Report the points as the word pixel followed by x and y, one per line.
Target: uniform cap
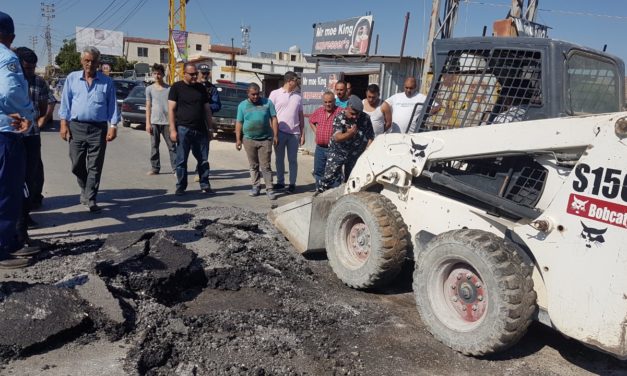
pixel 6 24
pixel 355 103
pixel 204 68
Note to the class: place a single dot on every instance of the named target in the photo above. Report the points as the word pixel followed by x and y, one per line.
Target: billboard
pixel 109 42
pixel 179 38
pixel 345 37
pixel 313 85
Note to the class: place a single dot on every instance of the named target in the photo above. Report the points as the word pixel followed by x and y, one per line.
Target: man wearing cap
pixel 289 109
pixel 352 134
pixel 205 80
pixel 88 103
pixel 16 116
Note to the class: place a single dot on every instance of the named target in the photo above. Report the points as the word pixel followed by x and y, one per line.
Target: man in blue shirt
pixel 16 117
pixel 88 103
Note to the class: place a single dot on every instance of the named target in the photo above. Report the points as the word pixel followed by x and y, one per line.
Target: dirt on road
pixel 223 293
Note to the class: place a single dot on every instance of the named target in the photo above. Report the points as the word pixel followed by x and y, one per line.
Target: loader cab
pixel 482 81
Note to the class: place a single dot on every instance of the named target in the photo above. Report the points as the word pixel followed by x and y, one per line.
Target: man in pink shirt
pixel 289 108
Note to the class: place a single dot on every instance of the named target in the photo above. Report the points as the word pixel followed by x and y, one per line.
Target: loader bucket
pixel 303 222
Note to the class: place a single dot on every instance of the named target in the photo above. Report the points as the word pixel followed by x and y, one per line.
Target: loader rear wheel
pixel 366 240
pixel 474 291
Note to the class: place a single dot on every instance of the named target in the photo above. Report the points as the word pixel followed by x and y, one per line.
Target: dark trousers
pixel 12 176
pixel 158 131
pixel 336 159
pixel 198 143
pixel 32 147
pixel 320 162
pixel 87 153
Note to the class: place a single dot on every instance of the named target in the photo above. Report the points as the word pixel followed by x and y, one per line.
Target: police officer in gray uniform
pixel 16 117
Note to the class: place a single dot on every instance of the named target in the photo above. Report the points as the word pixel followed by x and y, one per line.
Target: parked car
pixel 231 95
pixel 134 107
pixel 123 88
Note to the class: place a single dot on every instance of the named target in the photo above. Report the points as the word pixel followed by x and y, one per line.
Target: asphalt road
pixel 133 200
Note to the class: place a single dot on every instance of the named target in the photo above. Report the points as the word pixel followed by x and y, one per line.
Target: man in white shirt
pixel 399 108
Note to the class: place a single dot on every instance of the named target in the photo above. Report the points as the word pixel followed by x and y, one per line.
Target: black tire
pixel 380 240
pixel 126 123
pixel 490 307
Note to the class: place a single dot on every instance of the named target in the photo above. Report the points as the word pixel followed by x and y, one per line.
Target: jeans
pixel 12 175
pixel 32 147
pixel 87 153
pixel 159 130
pixel 198 143
pixel 259 153
pixel 290 142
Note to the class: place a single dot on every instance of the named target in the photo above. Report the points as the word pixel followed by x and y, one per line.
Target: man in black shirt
pixel 190 120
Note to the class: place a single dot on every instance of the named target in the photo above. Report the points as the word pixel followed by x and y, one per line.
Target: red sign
pixel 598 210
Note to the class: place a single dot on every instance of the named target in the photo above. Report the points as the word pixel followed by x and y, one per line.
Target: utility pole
pixel 176 21
pixel 233 67
pixel 433 25
pixel 33 41
pixel 47 12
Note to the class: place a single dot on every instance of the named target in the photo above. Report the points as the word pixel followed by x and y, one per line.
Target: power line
pixel 559 11
pixel 139 5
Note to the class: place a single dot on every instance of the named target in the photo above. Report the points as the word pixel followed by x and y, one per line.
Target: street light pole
pixel 233 66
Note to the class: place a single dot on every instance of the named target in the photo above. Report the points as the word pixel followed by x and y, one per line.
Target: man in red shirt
pixel 321 122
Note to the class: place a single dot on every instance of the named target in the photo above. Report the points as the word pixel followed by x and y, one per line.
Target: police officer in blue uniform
pixel 16 117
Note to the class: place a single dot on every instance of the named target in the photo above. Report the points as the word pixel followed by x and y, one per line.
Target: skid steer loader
pixel 511 200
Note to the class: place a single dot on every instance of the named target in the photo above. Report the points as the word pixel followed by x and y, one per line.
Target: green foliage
pixel 121 64
pixel 68 59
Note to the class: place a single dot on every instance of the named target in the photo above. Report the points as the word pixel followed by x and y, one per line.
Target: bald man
pixel 398 108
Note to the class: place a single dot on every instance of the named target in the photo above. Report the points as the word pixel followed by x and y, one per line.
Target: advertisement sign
pixel 180 45
pixel 108 42
pixel 313 85
pixel 346 37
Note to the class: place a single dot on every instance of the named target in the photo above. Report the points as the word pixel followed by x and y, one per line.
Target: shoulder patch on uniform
pixel 12 67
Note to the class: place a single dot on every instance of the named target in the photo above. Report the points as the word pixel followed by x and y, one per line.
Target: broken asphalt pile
pixel 244 303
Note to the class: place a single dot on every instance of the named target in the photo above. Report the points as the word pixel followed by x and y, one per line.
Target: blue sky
pixel 277 25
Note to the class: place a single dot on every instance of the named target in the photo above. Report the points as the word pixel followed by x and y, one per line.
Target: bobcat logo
pixel 592 235
pixel 578 205
pixel 418 150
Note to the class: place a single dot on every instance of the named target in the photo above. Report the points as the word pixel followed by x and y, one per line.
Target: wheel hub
pixel 466 293
pixel 358 240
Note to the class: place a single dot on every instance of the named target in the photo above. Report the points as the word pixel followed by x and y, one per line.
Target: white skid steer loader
pixel 511 200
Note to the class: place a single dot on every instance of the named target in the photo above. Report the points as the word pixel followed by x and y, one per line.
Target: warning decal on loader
pixel 598 210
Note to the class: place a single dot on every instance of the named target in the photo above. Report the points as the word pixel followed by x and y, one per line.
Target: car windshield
pixel 122 88
pixel 137 92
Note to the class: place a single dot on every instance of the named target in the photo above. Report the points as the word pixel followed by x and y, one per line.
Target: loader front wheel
pixel 474 291
pixel 366 240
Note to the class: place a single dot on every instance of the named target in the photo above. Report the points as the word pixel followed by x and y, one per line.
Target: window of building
pixel 198 47
pixel 164 56
pixel 142 51
pixel 298 69
pixel 257 66
pixel 231 63
pixel 293 57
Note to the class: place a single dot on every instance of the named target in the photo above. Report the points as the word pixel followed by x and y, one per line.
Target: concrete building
pixel 227 63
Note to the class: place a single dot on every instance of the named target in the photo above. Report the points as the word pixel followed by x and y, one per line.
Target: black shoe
pixel 278 186
pixel 94 208
pixel 291 188
pixel 207 191
pixel 14 263
pixel 179 192
pixel 31 223
pixel 26 251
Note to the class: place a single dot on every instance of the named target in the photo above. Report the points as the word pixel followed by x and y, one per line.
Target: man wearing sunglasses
pixel 189 118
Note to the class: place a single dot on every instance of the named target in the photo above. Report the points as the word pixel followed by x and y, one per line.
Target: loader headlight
pixel 621 127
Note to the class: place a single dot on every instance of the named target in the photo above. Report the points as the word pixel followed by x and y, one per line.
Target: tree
pixel 68 59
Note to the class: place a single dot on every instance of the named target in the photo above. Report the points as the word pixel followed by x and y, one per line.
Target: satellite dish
pixel 294 49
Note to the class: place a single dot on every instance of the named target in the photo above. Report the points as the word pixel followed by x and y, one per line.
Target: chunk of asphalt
pixel 162 270
pixel 121 248
pixel 95 292
pixel 37 316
